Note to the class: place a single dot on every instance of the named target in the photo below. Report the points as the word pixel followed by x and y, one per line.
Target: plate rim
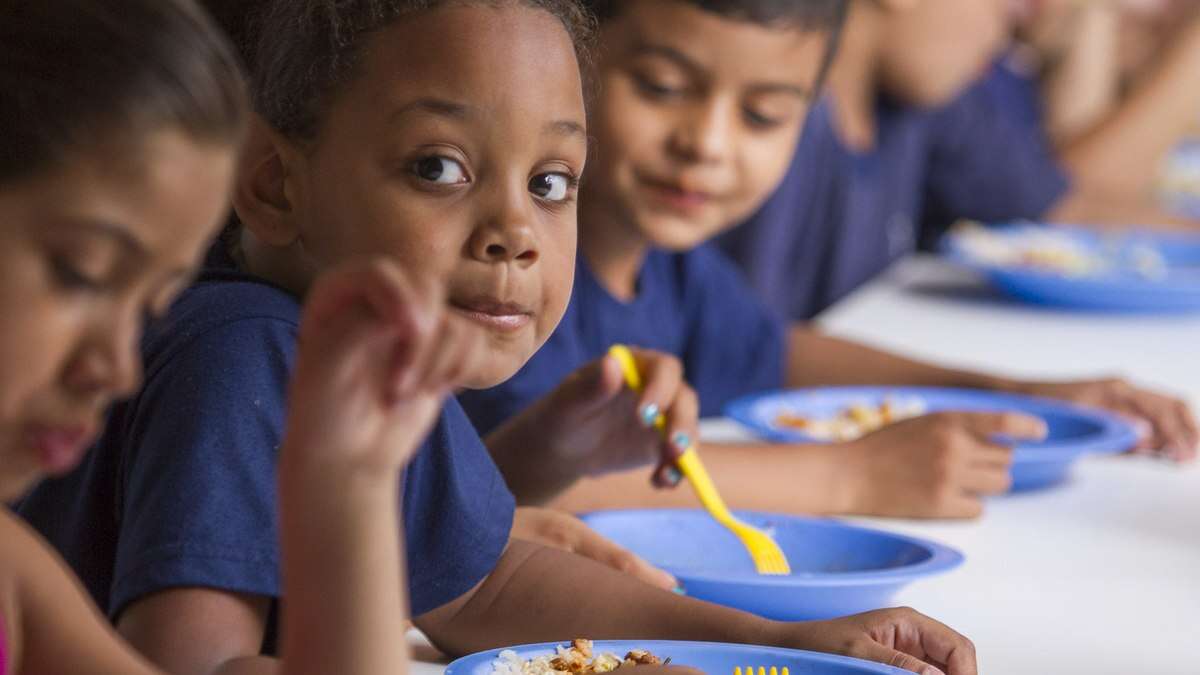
pixel 460 665
pixel 942 558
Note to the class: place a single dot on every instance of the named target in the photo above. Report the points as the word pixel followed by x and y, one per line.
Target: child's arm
pixel 1081 84
pixel 539 594
pixel 377 357
pixel 51 624
pixel 936 466
pixel 563 531
pixel 815 359
pixel 1120 155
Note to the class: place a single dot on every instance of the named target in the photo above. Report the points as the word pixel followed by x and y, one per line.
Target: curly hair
pixel 314 48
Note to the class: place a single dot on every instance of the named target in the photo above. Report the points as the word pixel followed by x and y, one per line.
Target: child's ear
pixel 260 196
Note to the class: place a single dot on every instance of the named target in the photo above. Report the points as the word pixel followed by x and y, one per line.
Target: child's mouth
pixel 493 314
pixel 676 197
pixel 59 448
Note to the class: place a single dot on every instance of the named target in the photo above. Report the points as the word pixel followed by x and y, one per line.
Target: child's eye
pixel 69 277
pixel 656 89
pixel 440 170
pixel 760 121
pixel 553 187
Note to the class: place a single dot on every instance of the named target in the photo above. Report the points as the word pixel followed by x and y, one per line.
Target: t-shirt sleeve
pixel 985 164
pixel 197 503
pixel 735 346
pixel 458 513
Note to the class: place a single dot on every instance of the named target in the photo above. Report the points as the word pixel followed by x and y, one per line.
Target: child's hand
pixel 897 637
pixel 1172 426
pixel 934 466
pixel 592 424
pixel 378 352
pixel 561 530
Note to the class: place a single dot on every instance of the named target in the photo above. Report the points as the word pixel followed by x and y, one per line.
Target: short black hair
pixel 313 48
pixel 74 71
pixel 821 15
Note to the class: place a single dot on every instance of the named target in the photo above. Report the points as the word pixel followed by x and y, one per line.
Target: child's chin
pixel 494 375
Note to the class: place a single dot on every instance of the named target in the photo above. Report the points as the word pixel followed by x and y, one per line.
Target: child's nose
pixel 706 135
pixel 505 243
pixel 108 365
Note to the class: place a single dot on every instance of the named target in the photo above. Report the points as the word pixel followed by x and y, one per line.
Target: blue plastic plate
pixel 711 657
pixel 1074 430
pixel 837 569
pixel 1118 290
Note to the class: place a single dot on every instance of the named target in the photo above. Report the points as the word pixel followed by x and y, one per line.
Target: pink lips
pixel 678 198
pixel 495 315
pixel 59 449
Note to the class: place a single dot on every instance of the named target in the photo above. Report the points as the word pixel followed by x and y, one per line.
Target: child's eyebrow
pixel 566 128
pixel 776 88
pixel 671 53
pixel 436 106
pixel 687 63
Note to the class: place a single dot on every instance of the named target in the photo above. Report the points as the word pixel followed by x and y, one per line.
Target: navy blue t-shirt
pixel 840 217
pixel 693 305
pixel 180 490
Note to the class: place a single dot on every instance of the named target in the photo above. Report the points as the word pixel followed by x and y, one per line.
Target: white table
pixel 1098 577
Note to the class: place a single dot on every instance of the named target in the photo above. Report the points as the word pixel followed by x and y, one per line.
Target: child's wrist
pixel 330 471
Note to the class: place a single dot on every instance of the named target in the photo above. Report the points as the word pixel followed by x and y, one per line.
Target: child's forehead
pixel 706 41
pixel 471 52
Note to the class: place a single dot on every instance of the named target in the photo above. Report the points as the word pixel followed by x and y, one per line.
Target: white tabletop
pixel 1100 576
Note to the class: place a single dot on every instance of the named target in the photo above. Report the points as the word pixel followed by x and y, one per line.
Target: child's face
pixel 85 254
pixel 697 118
pixel 456 150
pixel 932 51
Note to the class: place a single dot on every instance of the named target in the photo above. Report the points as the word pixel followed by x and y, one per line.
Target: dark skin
pixel 487 222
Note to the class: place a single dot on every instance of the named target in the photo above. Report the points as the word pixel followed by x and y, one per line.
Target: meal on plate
pixel 853 421
pixel 577 659
pixel 1045 249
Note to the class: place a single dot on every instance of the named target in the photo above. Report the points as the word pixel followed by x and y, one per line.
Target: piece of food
pixel 576 659
pixel 853 421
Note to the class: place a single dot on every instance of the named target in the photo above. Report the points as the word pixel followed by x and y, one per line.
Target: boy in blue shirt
pixel 912 139
pixel 448 138
pixel 699 110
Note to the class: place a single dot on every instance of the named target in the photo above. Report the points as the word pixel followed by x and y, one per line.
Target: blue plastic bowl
pixel 1074 431
pixel 1116 292
pixel 837 569
pixel 711 657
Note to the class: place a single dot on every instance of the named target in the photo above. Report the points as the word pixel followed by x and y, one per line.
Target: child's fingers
pixel 987 426
pixel 987 480
pixel 378 283
pixel 592 545
pixel 993 456
pixel 459 352
pixel 1174 427
pixel 662 376
pixel 683 421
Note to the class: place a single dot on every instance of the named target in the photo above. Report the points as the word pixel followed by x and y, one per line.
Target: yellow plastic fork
pixel 768 557
pixel 750 670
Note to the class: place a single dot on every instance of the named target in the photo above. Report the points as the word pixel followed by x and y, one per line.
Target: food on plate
pixel 576 659
pixel 853 421
pixel 1048 250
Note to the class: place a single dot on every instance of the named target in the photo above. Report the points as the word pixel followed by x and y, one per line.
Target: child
pixel 121 122
pixel 447 136
pixel 909 146
pixel 688 146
